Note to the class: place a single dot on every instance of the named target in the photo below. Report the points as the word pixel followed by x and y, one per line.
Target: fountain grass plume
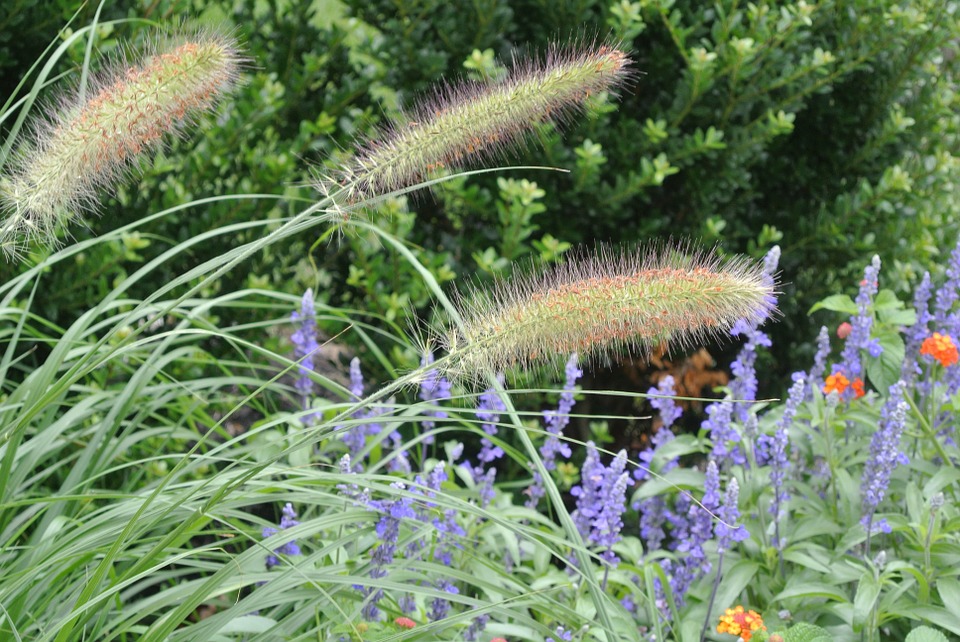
pixel 92 139
pixel 603 304
pixel 476 120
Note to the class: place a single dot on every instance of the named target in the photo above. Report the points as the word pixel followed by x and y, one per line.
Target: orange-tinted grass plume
pixel 601 304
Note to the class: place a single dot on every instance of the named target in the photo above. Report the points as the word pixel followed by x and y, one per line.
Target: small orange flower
pixel 405 623
pixel 857 386
pixel 838 383
pixel 835 383
pixel 940 347
pixel 740 622
pixel 498 640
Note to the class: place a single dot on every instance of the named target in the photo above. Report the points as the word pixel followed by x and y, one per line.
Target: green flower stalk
pixel 602 304
pixel 475 120
pixel 92 143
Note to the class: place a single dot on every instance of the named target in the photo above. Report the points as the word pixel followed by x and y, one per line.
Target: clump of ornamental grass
pixel 92 139
pixel 601 304
pixel 477 120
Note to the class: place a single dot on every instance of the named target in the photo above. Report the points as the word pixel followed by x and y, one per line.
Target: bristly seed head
pixel 602 304
pixel 474 120
pixel 85 145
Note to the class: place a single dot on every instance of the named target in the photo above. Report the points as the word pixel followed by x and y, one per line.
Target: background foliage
pixel 149 431
pixel 826 127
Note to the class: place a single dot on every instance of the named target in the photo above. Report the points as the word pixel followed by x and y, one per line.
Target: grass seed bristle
pixel 603 304
pixel 90 142
pixel 474 120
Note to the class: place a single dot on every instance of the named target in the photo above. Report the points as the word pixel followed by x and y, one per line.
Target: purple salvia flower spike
pixel 587 492
pixel 916 333
pixel 861 324
pixel 472 634
pixel 356 436
pixel 885 455
pixel 743 388
pixel 663 402
pixel 679 519
pixel 601 500
pixel 726 529
pixel 773 449
pixel 407 603
pixel 694 562
pixel 356 378
pixel 779 463
pixel 305 347
pixel 669 413
pixel 610 523
pixel 653 515
pixel 392 512
pixel 563 635
pixel 719 424
pixel 653 510
pixel 288 519
pixel 771 261
pixel 437 476
pixel 489 407
pixel 815 376
pixel 399 463
pixel 439 607
pixel 555 421
pixel 433 388
pixel 351 490
pixel 447 528
pixel 944 318
pixel 486 490
pixel 727 533
pixel 304 340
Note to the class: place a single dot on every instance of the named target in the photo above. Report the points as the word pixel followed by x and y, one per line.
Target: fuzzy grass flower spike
pixel 91 143
pixel 474 120
pixel 738 621
pixel 941 348
pixel 602 304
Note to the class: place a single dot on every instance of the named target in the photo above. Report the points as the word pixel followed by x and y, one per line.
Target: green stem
pixel 828 434
pixel 929 432
pixel 713 597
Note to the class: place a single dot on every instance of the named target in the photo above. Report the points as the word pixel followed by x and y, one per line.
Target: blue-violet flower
pixel 288 519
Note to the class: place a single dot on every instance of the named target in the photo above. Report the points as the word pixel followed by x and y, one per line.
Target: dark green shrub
pixel 826 128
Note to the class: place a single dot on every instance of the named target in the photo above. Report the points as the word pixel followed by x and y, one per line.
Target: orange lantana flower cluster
pixel 940 347
pixel 838 382
pixel 740 622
